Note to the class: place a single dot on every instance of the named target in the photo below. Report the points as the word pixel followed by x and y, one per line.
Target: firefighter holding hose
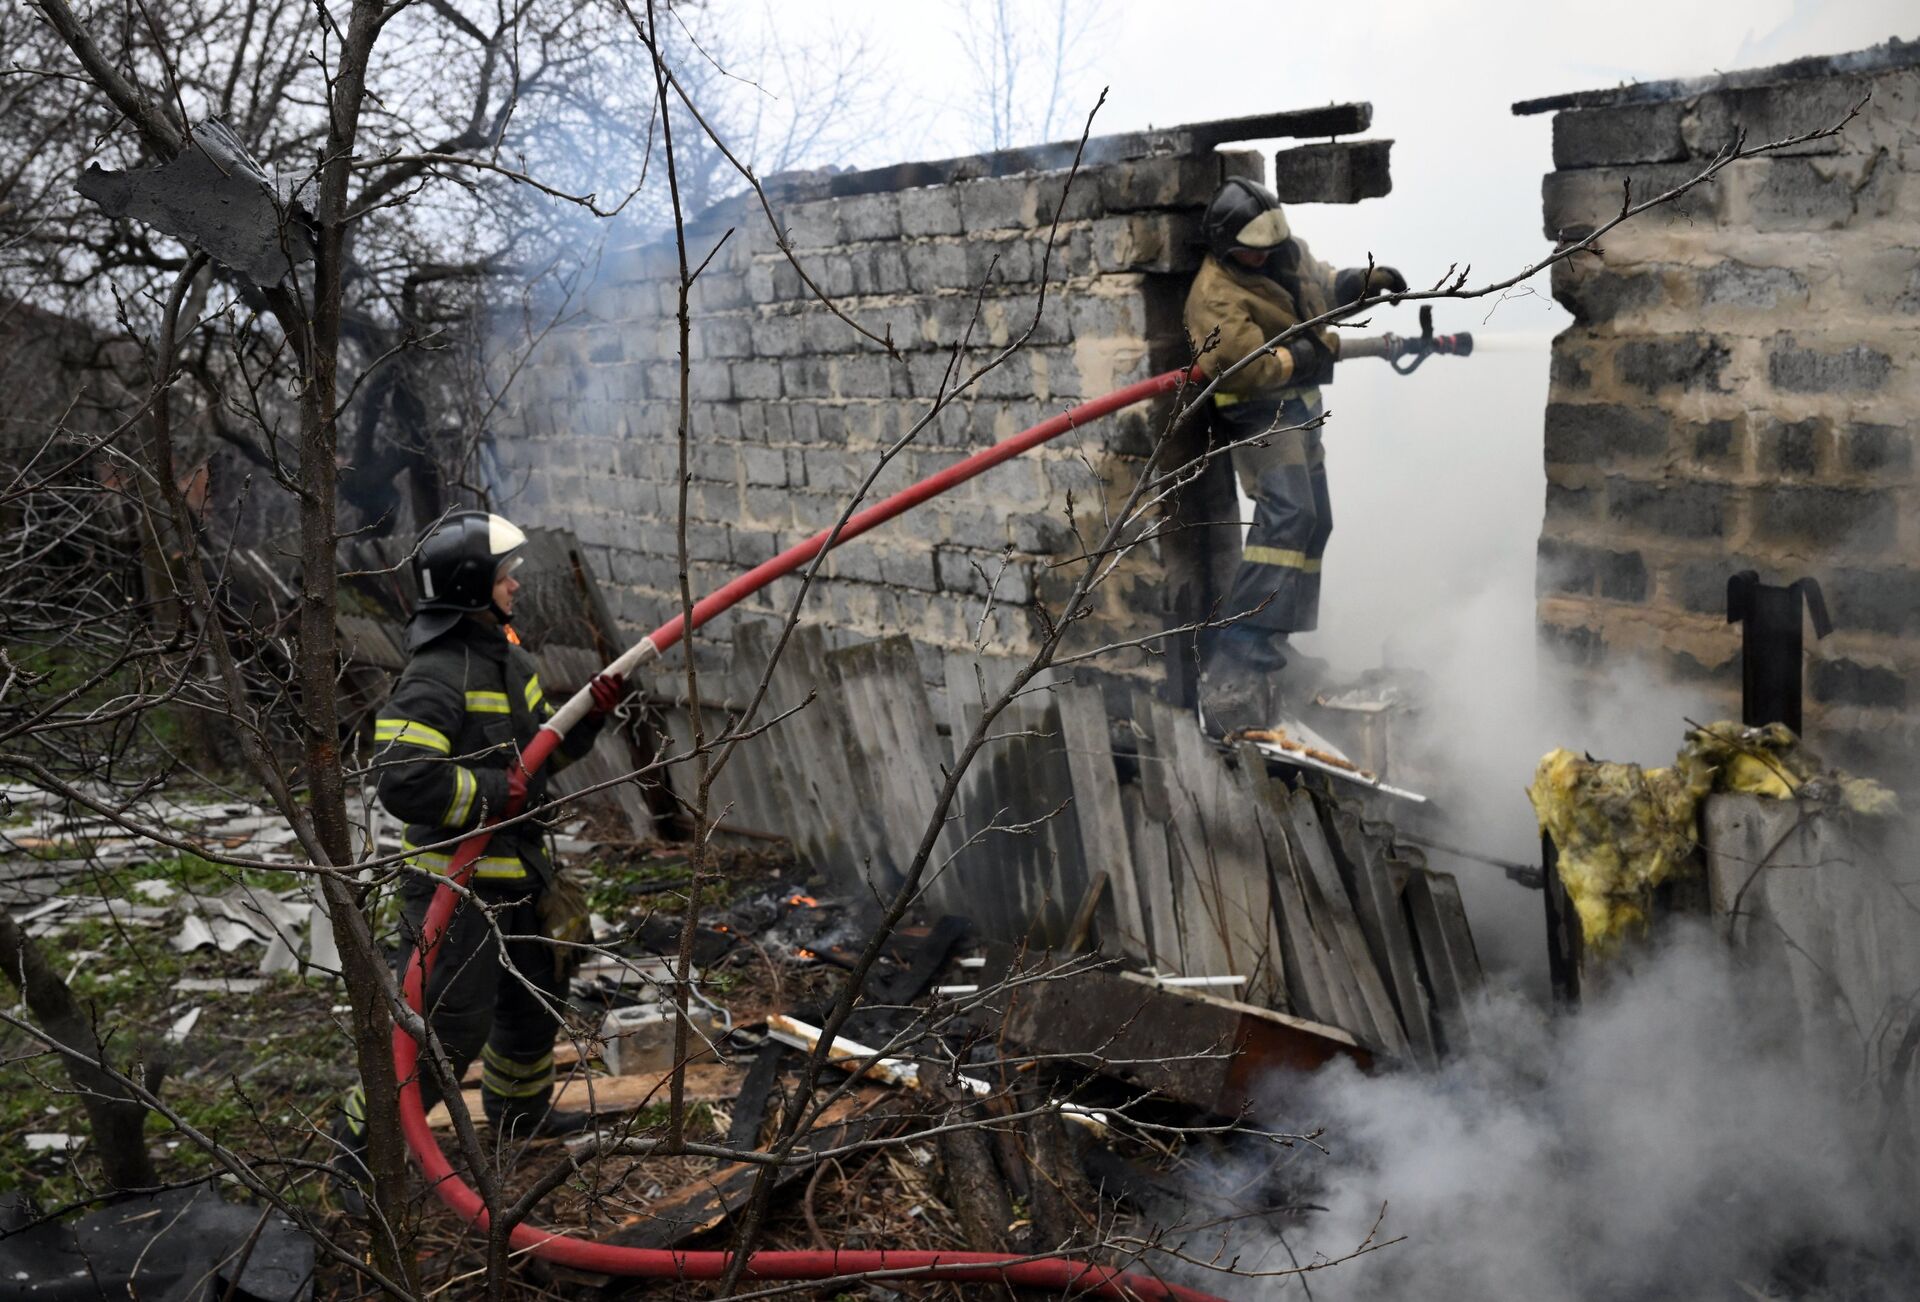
pixel 1256 281
pixel 447 755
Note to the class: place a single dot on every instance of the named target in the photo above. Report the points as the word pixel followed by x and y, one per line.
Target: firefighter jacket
pixel 467 704
pixel 1248 306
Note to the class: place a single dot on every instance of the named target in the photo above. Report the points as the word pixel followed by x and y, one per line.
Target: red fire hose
pixel 1055 1273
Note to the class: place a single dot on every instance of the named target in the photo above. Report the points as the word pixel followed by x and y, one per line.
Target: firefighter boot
pixel 1238 686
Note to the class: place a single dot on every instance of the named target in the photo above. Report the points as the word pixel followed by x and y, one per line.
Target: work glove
pixel 607 690
pixel 1312 363
pixel 524 790
pixel 1353 283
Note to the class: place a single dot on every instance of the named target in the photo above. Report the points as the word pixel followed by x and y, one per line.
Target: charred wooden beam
pixel 1213 1053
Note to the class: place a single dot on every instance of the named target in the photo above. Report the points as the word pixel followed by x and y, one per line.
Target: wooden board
pixel 707 1082
pixel 1018 865
pixel 1446 951
pixel 1086 737
pixel 1341 929
pixel 804 761
pixel 1147 839
pixel 896 754
pixel 1313 984
pixel 1384 922
pixel 1219 858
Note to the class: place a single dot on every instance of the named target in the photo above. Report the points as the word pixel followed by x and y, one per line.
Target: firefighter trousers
pixel 1277 585
pixel 477 1007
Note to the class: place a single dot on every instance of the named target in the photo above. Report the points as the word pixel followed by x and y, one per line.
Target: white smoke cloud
pixel 1670 1140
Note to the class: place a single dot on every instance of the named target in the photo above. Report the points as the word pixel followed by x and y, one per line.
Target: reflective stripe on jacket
pixel 464 708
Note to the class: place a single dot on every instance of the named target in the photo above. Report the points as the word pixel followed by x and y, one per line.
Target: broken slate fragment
pixel 216 198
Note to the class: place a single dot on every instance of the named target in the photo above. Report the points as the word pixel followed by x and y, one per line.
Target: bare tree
pixel 188 640
pixel 1030 63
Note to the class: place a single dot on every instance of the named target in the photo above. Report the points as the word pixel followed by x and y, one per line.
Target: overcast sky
pixel 1441 78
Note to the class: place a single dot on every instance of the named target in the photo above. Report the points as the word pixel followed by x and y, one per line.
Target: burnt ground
pixel 260 1068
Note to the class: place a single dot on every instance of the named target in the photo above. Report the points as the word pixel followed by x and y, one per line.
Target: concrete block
pixel 1574 645
pixel 768 505
pixel 1860 520
pixel 1690 362
pixel 811 225
pixel 1169 181
pixel 928 211
pixel 1336 172
pixel 1873 600
pixel 1570 506
pixel 806 377
pixel 1737 285
pixel 1570 567
pixel 1768 113
pixel 1603 434
pixel 1578 201
pixel 724 336
pixel 756 379
pixel 710 382
pixel 1640 133
pixel 1795 194
pixel 765 466
pixel 722 289
pixel 1569 371
pixel 869 217
pixel 1713 444
pixel 1058 198
pixel 936 265
pixel 1108 316
pixel 1156 242
pixel 1596 295
pixel 1844 681
pixel 1002 262
pixel 860 375
pixel 1792 368
pixel 1673 508
pixel 910 568
pixel 1867 449
pixel 1000 203
pixel 785 335
pixel 1790 449
pixel 888 271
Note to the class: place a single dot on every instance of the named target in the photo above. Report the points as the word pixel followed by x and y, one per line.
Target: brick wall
pixel 1740 385
pixel 791 408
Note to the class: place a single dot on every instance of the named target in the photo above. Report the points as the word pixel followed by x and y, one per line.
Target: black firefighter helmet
pixel 1244 215
pixel 456 565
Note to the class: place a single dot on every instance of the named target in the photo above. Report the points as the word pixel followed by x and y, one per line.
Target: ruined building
pixel 791 407
pixel 1739 387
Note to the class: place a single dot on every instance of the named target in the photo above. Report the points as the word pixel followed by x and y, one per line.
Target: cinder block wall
pixel 791 408
pixel 1740 386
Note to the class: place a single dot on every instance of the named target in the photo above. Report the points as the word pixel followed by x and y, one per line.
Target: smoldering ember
pixel 609 691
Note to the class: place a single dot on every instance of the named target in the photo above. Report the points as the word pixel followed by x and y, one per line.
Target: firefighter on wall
pixel 1256 281
pixel 447 755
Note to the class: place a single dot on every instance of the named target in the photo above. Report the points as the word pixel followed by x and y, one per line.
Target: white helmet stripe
pixel 503 535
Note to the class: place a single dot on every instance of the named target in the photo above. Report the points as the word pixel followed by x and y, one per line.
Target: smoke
pixel 1667 1141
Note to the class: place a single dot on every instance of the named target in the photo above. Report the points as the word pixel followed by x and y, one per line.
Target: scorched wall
pixel 1739 387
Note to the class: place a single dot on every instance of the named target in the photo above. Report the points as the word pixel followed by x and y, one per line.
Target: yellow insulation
pixel 1620 830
